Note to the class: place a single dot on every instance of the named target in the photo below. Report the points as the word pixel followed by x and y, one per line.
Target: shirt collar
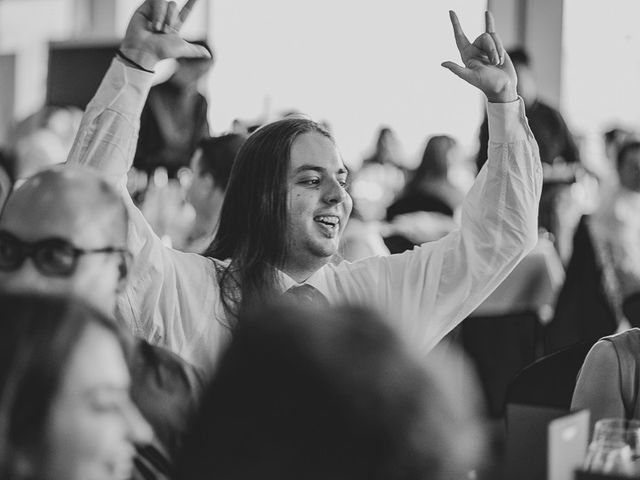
pixel 317 280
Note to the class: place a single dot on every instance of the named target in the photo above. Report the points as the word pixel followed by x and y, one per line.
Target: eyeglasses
pixel 54 257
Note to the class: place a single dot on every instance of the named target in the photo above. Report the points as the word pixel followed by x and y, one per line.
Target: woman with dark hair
pixel 429 189
pixel 380 178
pixel 287 205
pixel 328 394
pixel 65 410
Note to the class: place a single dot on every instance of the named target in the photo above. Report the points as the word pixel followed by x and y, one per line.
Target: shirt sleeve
pixel 109 128
pixel 483 139
pixel 426 292
pixel 163 300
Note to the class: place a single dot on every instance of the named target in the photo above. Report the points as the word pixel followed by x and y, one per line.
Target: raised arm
pixel 109 128
pixel 158 297
pixel 429 290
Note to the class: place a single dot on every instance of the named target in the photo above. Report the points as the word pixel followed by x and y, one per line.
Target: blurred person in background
pixel 64 232
pixel 429 189
pixel 608 384
pixel 361 238
pixel 616 222
pixel 43 139
pixel 287 205
pixel 330 394
pixel 211 167
pixel 65 407
pixel 174 119
pixel 614 139
pixel 380 177
pixel 558 151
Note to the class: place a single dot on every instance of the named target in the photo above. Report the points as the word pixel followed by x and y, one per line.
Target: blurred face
pixel 97 276
pixel 629 171
pixel 203 193
pixel 93 425
pixel 319 205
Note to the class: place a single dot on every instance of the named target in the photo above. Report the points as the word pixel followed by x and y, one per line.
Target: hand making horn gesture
pixel 486 63
pixel 153 34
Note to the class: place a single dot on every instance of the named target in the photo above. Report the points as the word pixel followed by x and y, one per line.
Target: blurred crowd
pixel 297 391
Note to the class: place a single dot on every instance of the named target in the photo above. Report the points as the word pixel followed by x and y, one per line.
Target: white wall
pixel 601 69
pixel 543 40
pixel 25 28
pixel 357 64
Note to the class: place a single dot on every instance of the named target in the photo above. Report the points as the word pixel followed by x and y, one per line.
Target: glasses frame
pixel 30 250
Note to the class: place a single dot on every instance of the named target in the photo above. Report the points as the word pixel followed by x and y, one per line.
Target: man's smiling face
pixel 319 205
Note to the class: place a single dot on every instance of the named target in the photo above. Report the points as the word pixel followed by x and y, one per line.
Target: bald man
pixel 63 232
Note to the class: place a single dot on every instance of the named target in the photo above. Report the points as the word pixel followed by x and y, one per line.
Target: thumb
pixel 198 51
pixel 461 72
pixel 190 50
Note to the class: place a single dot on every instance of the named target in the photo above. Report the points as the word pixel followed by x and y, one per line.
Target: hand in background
pixel 486 63
pixel 153 34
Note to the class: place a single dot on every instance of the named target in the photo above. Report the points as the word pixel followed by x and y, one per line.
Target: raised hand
pixel 486 63
pixel 153 34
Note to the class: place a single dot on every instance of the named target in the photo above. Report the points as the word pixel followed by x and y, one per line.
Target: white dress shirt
pixel 173 298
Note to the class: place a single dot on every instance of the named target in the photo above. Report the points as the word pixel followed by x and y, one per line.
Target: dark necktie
pixel 306 295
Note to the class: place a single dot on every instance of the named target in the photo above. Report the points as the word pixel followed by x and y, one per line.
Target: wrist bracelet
pixel 133 64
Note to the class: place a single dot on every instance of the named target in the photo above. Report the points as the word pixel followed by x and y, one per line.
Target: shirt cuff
pixel 123 89
pixel 507 121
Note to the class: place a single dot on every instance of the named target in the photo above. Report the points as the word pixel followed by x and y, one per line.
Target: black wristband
pixel 132 63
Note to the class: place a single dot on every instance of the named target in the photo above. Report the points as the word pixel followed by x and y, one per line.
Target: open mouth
pixel 331 221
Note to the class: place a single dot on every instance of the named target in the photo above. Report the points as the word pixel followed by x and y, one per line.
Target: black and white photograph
pixel 301 240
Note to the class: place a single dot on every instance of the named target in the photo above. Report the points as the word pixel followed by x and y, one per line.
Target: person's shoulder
pixel 602 359
pixel 629 339
pixel 611 351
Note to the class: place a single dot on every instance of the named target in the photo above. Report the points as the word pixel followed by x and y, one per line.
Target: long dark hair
pixel 37 338
pixel 434 162
pixel 253 219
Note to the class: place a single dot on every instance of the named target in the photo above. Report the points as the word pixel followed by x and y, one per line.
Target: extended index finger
pixel 185 11
pixel 461 39
pixel 489 22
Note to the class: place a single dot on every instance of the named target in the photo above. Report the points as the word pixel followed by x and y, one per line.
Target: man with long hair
pixel 287 205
